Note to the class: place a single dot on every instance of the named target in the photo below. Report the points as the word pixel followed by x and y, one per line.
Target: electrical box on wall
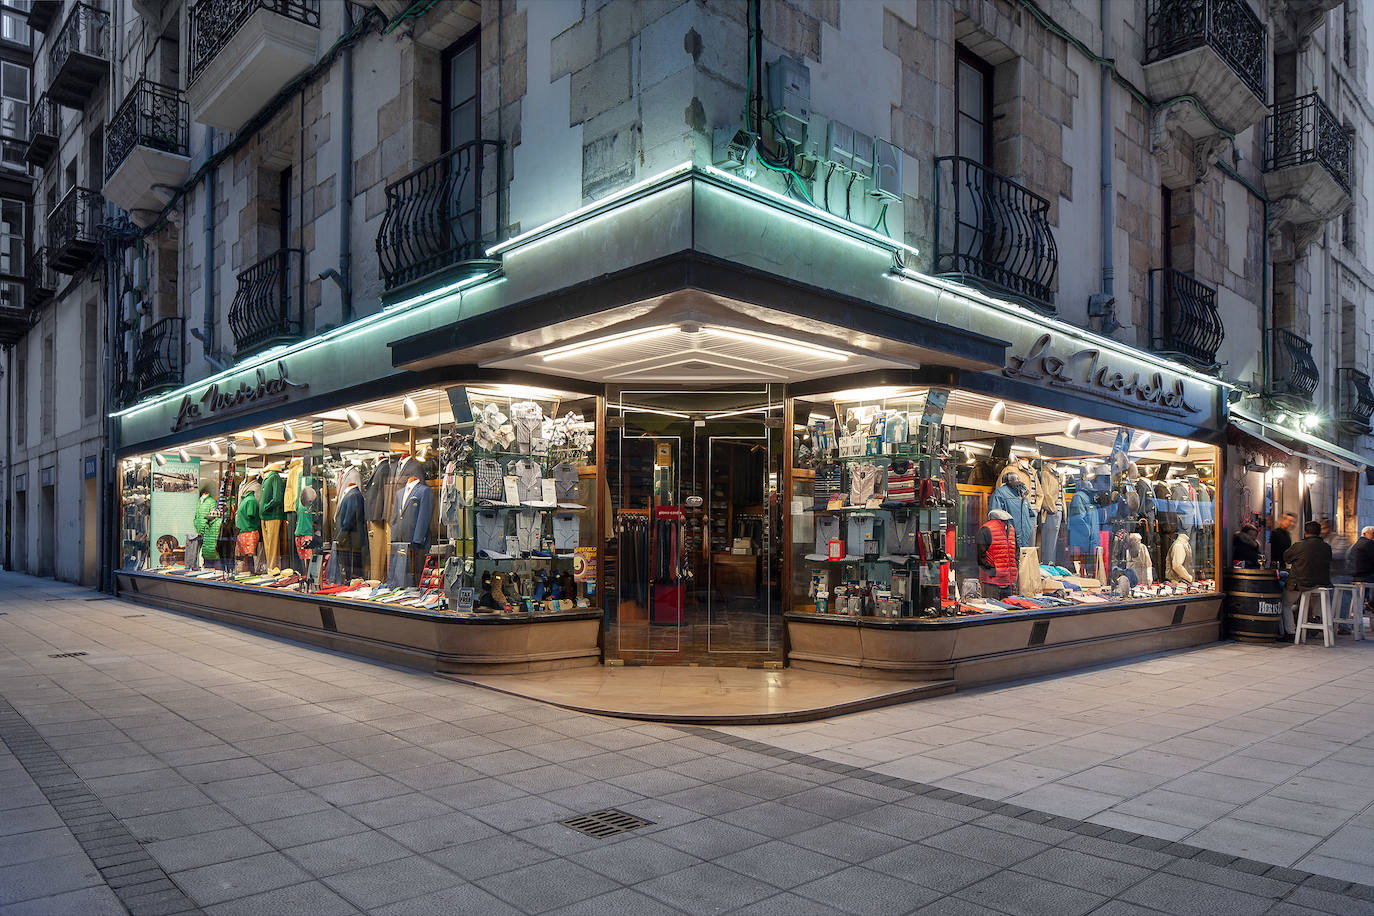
pixel 789 95
pixel 887 171
pixel 732 148
pixel 863 154
pixel 839 145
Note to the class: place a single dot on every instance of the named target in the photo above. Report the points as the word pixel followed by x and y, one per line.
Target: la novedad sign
pixel 215 402
pixel 1085 371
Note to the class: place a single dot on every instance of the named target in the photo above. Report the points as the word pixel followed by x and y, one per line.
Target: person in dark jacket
pixel 1245 548
pixel 1361 557
pixel 1280 540
pixel 1309 564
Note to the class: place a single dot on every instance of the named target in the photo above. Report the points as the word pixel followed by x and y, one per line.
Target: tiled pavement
pixel 185 766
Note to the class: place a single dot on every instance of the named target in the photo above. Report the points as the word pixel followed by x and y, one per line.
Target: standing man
pixel 1309 565
pixel 1280 540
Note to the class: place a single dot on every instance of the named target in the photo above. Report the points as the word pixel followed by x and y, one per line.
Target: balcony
pixel 41 281
pixel 1213 50
pixel 1184 322
pixel 146 150
pixel 993 233
pixel 80 57
pixel 1294 375
pixel 1354 400
pixel 1307 160
pixel 74 230
pixel 44 130
pixel 242 52
pixel 42 13
pixel 15 320
pixel 435 226
pixel 158 357
pixel 267 306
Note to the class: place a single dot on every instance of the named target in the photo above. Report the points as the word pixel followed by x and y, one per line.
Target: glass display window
pixel 468 499
pixel 939 503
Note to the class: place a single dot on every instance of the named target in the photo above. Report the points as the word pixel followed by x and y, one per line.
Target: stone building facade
pixel 286 174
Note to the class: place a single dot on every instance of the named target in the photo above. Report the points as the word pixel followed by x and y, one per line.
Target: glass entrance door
pixel 695 567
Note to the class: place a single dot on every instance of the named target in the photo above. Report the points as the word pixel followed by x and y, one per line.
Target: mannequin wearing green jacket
pixel 207 523
pixel 272 505
pixel 249 525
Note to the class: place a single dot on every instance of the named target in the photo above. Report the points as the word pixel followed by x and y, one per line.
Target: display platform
pixel 974 650
pixel 709 695
pixel 444 643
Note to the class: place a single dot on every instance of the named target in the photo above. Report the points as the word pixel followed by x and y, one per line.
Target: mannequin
pixel 248 521
pixel 377 506
pixel 272 509
pixel 207 524
pixel 293 472
pixel 1050 509
pixel 1085 519
pixel 350 527
pixel 1138 559
pixel 995 545
pixel 1012 498
pixel 1180 557
pixel 411 517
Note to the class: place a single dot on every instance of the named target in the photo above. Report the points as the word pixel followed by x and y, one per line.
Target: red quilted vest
pixel 1001 553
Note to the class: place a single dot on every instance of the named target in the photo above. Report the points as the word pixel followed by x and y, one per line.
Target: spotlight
pixel 1183 448
pixel 233 451
pixel 258 440
pixel 1310 421
pixel 215 449
pixel 999 410
pixel 1143 442
pixel 408 408
pixel 1074 428
pixel 354 421
pixel 184 456
pixel 288 433
pixel 160 459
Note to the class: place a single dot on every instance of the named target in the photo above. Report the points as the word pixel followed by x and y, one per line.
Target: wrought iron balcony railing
pixel 211 23
pixel 74 229
pixel 152 115
pixel 1303 130
pixel 80 56
pixel 435 216
pixel 1228 27
pixel 1354 400
pixel 1184 321
pixel 158 356
pixel 993 232
pixel 40 282
pixel 267 307
pixel 43 131
pixel 1295 372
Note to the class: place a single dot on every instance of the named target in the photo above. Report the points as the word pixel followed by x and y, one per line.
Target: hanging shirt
pixel 827 530
pixel 528 480
pixel 864 483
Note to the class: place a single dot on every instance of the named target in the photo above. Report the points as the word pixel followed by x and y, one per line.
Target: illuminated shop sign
pixel 216 403
pixel 1089 371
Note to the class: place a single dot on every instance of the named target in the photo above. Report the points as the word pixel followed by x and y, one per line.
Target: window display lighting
pixel 355 422
pixel 1184 448
pixel 999 410
pixel 288 433
pixel 591 346
pixel 408 408
pixel 184 455
pixel 215 451
pixel 160 459
pixel 258 440
pixel 1074 428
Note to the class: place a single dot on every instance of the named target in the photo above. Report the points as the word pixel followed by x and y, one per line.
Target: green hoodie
pixel 271 501
pixel 207 527
pixel 247 518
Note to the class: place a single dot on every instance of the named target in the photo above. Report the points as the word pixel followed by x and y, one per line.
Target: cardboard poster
pixel 584 564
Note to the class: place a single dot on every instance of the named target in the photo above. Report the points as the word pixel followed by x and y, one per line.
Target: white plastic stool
pixel 1356 591
pixel 1327 626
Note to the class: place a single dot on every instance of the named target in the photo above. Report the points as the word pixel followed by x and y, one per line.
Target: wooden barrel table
pixel 1254 600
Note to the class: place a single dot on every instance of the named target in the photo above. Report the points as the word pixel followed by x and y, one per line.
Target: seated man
pixel 1309 566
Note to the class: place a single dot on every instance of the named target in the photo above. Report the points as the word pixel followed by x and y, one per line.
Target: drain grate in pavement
pixel 132 616
pixel 101 598
pixel 67 655
pixel 601 824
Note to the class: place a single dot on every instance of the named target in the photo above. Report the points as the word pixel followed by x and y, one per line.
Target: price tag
pixel 463 603
pixel 836 502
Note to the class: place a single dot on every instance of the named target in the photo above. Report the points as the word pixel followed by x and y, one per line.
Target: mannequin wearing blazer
pixel 412 514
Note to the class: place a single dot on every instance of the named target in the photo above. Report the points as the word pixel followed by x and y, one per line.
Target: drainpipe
pixel 1101 305
pixel 346 181
pixel 9 454
pixel 206 332
pixel 114 315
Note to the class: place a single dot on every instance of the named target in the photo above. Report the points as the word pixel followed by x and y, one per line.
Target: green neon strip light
pixel 442 296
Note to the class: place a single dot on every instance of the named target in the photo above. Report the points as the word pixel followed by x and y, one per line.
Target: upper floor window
pixel 14 23
pixel 973 93
pixel 11 237
pixel 14 100
pixel 460 93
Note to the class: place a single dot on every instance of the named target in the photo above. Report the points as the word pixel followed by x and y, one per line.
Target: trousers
pixel 1049 537
pixel 378 536
pixel 193 543
pixel 271 543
